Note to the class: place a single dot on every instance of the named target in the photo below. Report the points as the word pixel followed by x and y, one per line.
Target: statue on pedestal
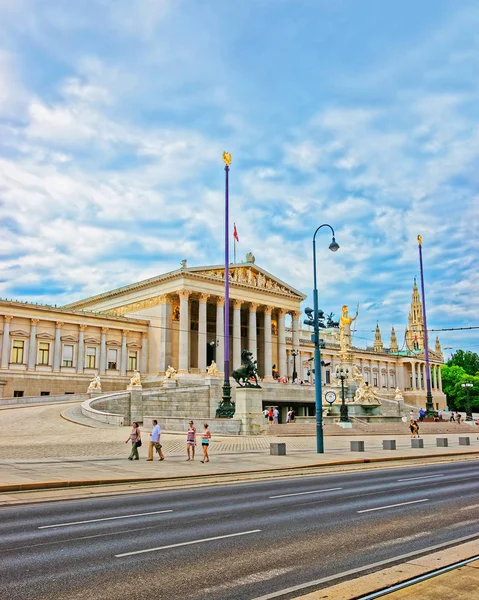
pixel 95 385
pixel 399 397
pixel 345 330
pixel 212 370
pixel 170 372
pixel 247 371
pixel 365 395
pixel 135 381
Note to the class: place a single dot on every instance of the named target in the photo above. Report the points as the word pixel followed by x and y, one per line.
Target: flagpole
pixel 234 249
pixel 225 408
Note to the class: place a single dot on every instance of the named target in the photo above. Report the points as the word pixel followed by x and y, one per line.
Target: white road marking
pixel 462 524
pixel 424 477
pixel 156 512
pixel 470 507
pixel 304 493
pixel 401 540
pixel 381 563
pixel 211 539
pixel 248 580
pixel 392 505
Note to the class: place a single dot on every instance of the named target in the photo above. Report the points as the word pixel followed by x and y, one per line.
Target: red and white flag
pixel 235 233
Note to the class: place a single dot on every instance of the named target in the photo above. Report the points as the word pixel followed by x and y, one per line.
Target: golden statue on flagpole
pixel 227 158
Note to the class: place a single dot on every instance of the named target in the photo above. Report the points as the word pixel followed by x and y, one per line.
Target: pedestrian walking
pixel 135 439
pixel 266 413
pixel 270 416
pixel 293 415
pixel 414 428
pixel 458 418
pixel 451 418
pixel 275 416
pixel 191 441
pixel 422 412
pixel 205 442
pixel 411 414
pixel 155 438
pixel 288 416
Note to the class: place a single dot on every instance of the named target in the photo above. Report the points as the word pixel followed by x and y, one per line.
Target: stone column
pixel 32 345
pixel 237 333
pixel 413 373
pixel 423 378
pixel 103 350
pixel 283 370
pixel 296 316
pixel 252 341
pixel 164 329
pixel 6 342
pixel 184 336
pixel 124 353
pixel 440 379
pixel 220 333
pixel 144 353
pixel 202 333
pixel 57 350
pixel 435 369
pixel 268 345
pixel 81 350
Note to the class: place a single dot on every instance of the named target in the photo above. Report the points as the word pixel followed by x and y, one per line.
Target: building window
pixel 43 353
pixel 17 354
pixel 44 393
pixel 69 393
pixel 112 358
pixel 132 360
pixel 90 358
pixel 328 376
pixel 18 394
pixel 375 382
pixel 68 355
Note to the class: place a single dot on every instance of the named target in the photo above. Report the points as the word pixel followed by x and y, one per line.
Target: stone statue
pixel 398 396
pixel 95 385
pixel 212 369
pixel 250 258
pixel 135 381
pixel 365 395
pixel 345 329
pixel 247 371
pixel 170 372
pixel 184 263
pixel 357 375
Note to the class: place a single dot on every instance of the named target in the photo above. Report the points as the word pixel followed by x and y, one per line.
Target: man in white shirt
pixel 275 416
pixel 155 441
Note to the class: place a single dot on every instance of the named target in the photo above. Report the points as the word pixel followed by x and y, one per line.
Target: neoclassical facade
pixel 177 319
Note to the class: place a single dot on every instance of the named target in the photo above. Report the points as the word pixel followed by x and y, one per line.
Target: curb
pixel 39 485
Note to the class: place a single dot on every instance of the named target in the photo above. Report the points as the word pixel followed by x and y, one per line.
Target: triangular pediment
pixel 248 274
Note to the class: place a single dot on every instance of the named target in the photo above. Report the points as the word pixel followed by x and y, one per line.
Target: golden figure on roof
pixel 227 158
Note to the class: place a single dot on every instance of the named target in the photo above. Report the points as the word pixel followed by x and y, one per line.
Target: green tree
pixel 463 395
pixel 451 376
pixel 466 359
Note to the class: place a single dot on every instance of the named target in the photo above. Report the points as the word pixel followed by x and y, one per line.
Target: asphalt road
pixel 239 541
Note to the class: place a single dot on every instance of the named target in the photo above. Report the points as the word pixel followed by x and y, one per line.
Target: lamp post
pixel 468 387
pixel 313 319
pixel 342 375
pixel 226 408
pixel 429 404
pixel 294 354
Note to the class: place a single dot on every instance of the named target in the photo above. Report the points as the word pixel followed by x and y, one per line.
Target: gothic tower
pixel 378 343
pixel 415 323
pixel 393 344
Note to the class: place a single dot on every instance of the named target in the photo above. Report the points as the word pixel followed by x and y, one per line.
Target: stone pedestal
pixel 356 446
pixel 389 444
pixel 442 442
pixel 134 388
pixel 212 380
pixel 464 441
pixel 417 443
pixel 249 410
pixel 169 383
pixel 136 406
pixel 277 449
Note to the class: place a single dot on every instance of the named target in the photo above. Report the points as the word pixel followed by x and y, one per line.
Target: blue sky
pixel 361 113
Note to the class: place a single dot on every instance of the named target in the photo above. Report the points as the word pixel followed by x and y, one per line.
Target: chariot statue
pixel 247 371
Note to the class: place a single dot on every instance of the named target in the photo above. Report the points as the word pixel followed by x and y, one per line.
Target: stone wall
pixel 57 384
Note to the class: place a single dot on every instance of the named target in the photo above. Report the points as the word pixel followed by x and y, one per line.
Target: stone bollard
pixel 389 444
pixel 442 442
pixel 417 443
pixel 464 441
pixel 277 449
pixel 356 446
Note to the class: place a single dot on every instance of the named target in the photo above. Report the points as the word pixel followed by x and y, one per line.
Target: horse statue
pixel 248 371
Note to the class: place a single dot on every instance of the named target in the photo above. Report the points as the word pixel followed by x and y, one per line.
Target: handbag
pixel 138 442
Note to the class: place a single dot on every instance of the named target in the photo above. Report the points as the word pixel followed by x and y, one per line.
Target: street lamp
pixel 468 387
pixel 294 354
pixel 313 319
pixel 342 375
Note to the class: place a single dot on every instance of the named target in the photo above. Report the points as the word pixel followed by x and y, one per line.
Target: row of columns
pixel 184 334
pixel 57 348
pixel 419 377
